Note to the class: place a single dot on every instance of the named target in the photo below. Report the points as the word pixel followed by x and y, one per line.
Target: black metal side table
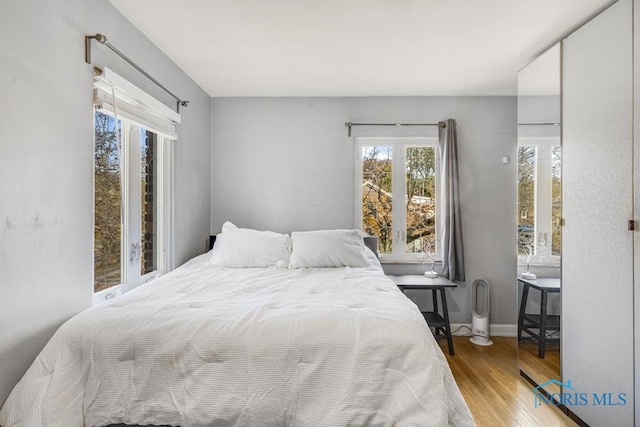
pixel 440 322
pixel 541 322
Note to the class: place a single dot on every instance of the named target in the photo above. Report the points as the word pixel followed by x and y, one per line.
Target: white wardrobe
pixel 600 302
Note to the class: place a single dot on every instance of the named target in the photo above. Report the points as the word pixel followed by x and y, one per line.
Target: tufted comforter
pixel 208 346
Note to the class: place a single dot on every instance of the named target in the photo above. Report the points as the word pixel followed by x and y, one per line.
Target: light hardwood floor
pixel 540 370
pixel 490 382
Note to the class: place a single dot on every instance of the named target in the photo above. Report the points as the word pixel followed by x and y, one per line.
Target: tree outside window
pixel 406 172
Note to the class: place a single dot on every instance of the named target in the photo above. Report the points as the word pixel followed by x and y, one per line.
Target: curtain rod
pixel 539 124
pixel 103 40
pixel 349 124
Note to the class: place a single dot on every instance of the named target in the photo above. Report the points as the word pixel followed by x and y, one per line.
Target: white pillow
pixel 328 248
pixel 228 225
pixel 244 247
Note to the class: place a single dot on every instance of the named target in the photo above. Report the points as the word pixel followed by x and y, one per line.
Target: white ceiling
pixel 355 47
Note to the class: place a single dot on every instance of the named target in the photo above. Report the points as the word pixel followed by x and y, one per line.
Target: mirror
pixel 539 220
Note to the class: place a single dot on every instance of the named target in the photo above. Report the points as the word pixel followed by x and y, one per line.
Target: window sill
pixel 107 294
pixel 539 261
pixel 387 260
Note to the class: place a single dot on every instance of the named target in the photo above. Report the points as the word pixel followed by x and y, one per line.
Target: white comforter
pixel 206 346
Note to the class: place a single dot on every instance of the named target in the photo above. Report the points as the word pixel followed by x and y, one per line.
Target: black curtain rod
pixel 103 40
pixel 350 124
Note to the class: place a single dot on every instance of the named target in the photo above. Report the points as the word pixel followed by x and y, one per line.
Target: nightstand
pixel 440 322
pixel 542 322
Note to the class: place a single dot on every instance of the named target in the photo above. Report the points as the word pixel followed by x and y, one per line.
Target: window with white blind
pixel 133 140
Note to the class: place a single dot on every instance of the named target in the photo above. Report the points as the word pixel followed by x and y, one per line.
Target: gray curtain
pixel 451 222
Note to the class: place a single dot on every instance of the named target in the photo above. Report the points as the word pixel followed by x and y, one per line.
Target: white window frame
pixel 399 225
pixel 543 199
pixel 140 112
pixel 132 196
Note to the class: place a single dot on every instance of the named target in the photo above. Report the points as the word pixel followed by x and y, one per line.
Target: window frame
pixel 132 109
pixel 399 232
pixel 543 198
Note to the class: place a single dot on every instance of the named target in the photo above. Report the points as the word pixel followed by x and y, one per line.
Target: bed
pixel 277 345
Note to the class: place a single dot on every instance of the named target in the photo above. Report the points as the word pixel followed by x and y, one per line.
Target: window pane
pixel 108 203
pixel 526 199
pixel 421 199
pixel 556 200
pixel 376 195
pixel 149 202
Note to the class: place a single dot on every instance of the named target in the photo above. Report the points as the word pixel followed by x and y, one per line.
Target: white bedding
pixel 205 346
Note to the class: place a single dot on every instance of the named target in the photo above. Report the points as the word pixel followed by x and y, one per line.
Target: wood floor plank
pixel 490 382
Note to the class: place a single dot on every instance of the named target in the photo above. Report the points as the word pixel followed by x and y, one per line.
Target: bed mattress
pixel 213 346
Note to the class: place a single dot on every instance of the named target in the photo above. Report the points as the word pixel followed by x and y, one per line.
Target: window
pixel 539 198
pixel 403 171
pixel 132 193
pixel 107 203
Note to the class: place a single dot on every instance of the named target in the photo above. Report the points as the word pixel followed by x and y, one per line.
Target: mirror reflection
pixel 539 211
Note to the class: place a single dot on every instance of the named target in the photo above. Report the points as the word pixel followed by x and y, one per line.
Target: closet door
pixel 597 259
pixel 636 186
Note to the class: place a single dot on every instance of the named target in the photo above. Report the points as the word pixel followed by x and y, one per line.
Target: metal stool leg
pixel 523 307
pixel 543 324
pixel 445 311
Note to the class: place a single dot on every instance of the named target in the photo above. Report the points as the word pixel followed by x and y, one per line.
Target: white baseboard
pixel 495 329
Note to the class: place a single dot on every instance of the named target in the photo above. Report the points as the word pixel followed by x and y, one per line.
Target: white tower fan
pixel 480 313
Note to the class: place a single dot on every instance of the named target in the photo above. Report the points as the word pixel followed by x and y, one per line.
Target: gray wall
pixel 46 163
pixel 287 164
pixel 539 109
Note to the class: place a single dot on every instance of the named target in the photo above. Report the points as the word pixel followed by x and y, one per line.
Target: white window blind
pixel 133 103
